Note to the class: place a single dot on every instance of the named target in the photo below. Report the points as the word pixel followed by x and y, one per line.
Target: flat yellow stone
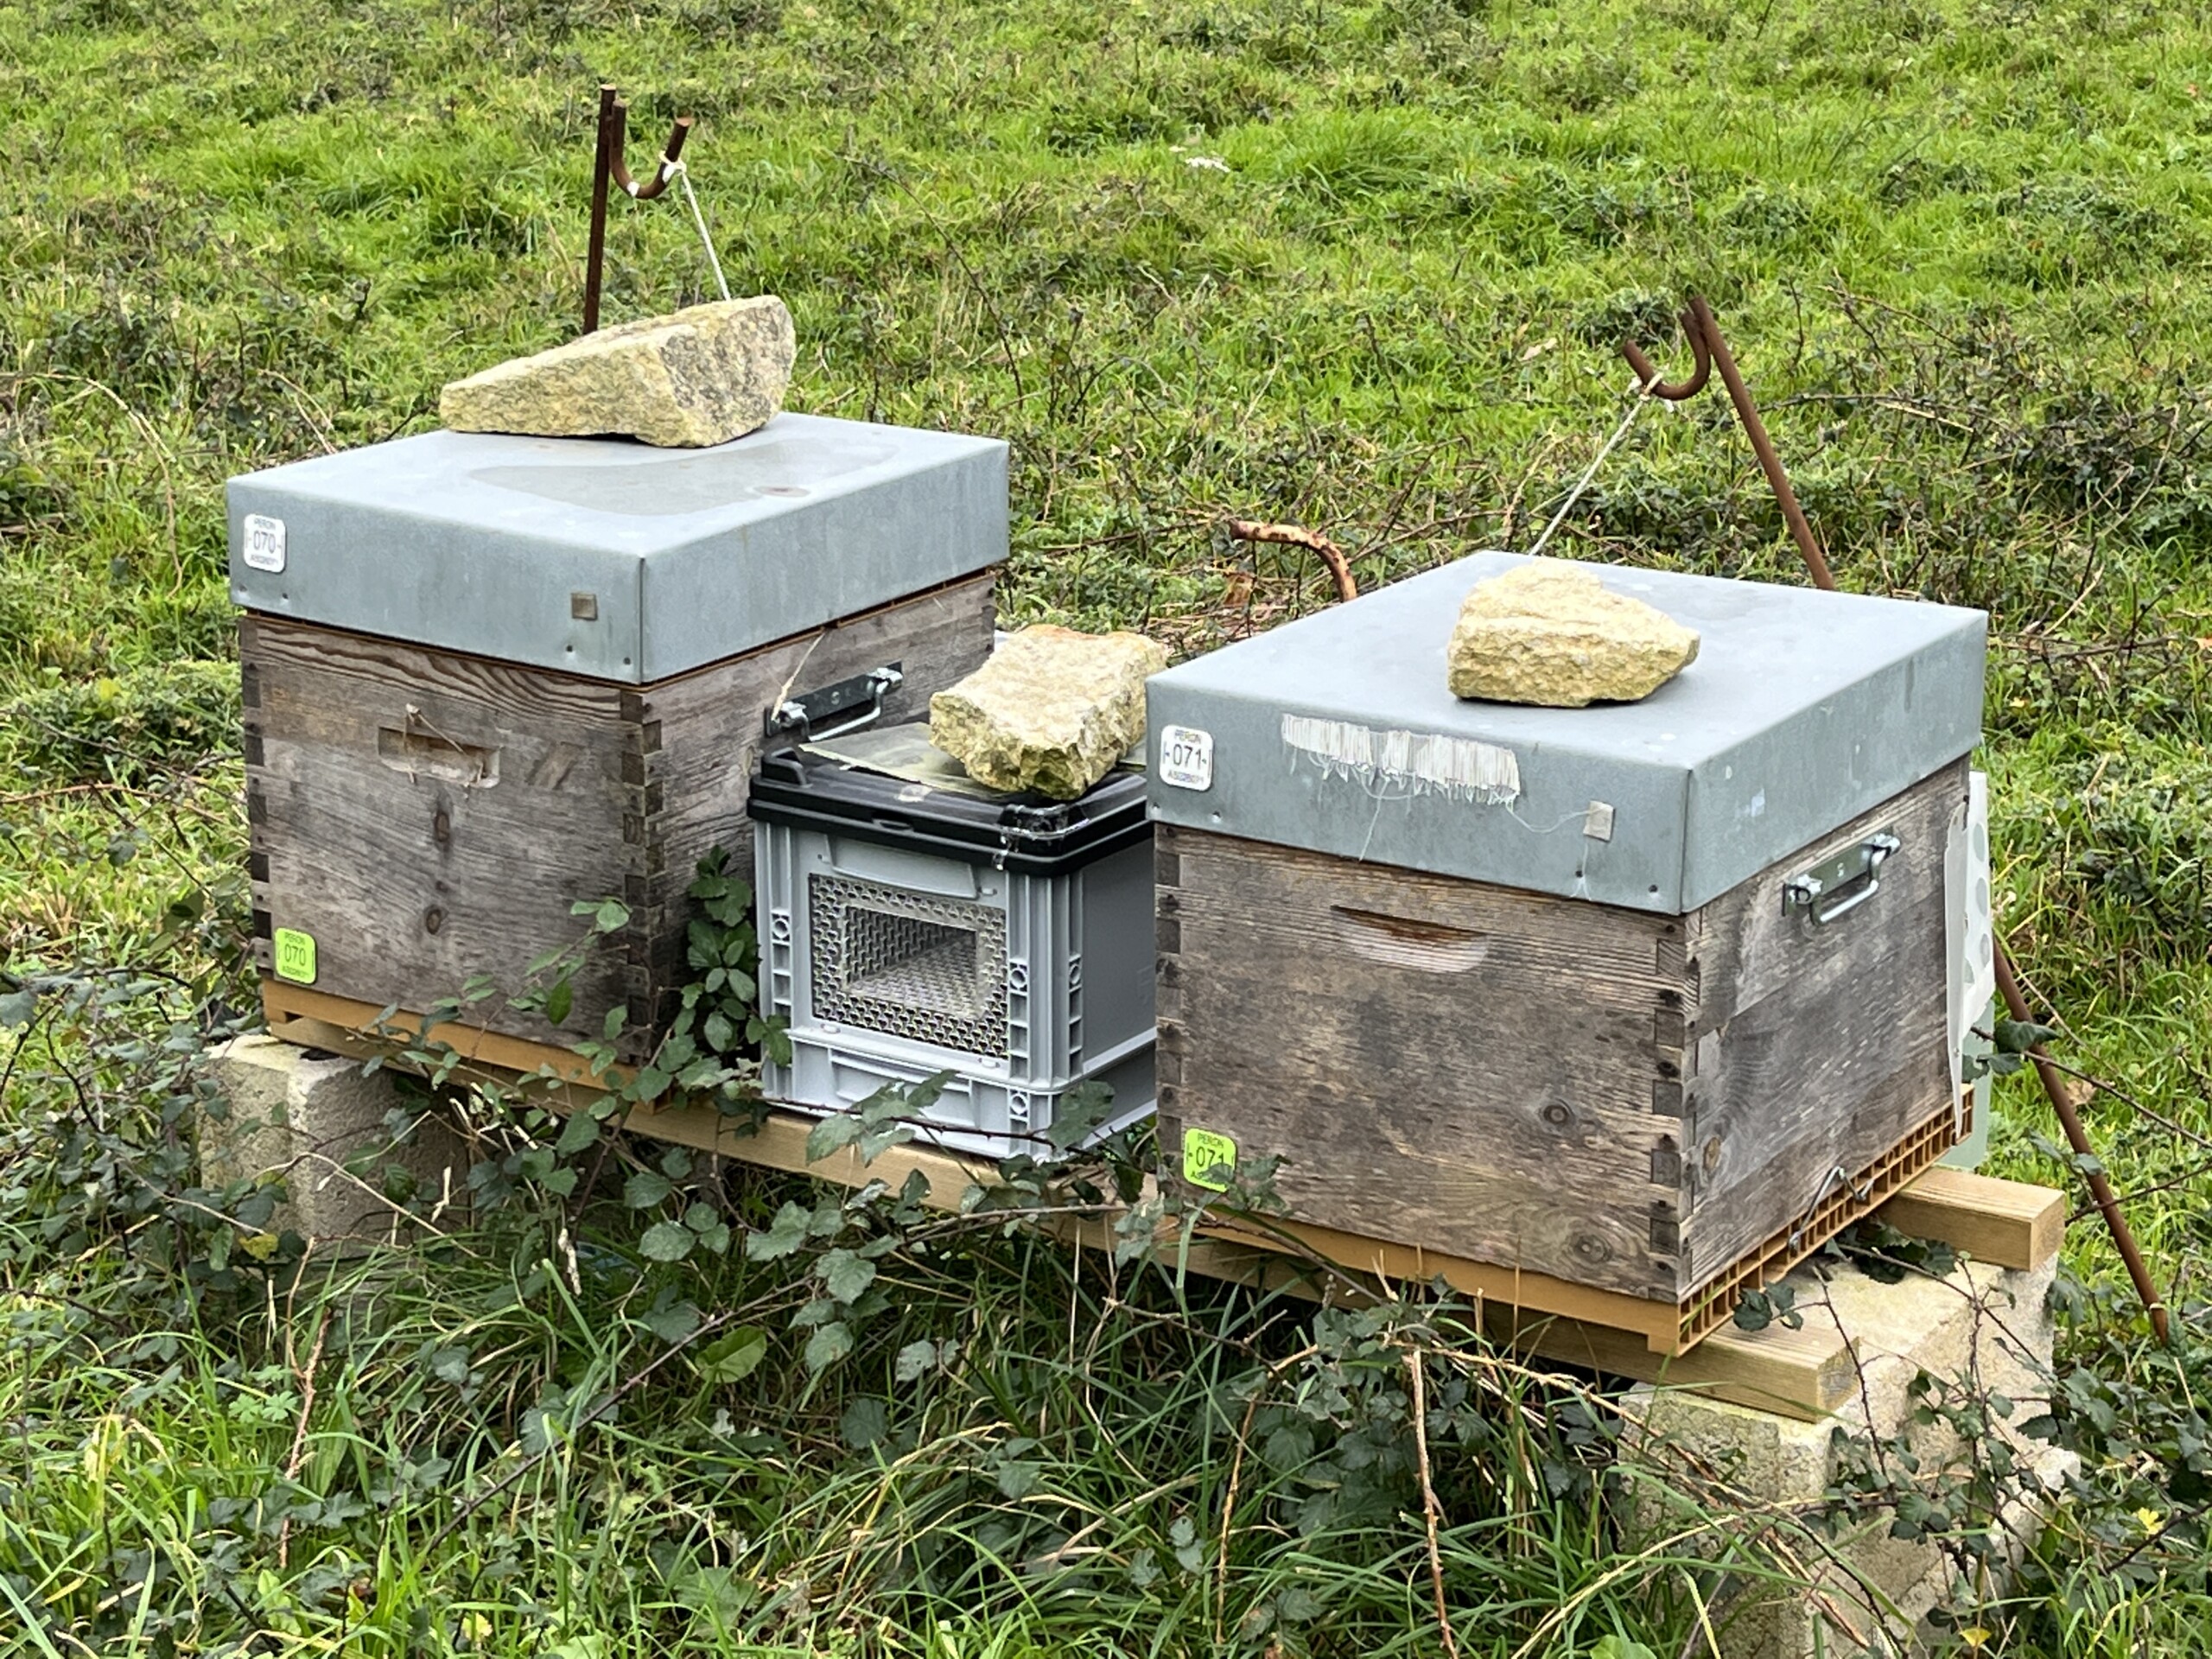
pixel 698 377
pixel 1052 710
pixel 1550 632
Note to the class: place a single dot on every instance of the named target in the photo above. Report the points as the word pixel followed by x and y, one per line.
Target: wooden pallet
pixel 1806 1373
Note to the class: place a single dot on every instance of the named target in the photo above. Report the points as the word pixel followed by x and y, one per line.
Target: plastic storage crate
pixel 911 927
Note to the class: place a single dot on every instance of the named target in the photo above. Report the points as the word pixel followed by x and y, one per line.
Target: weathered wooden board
pixel 1814 1048
pixel 1468 1068
pixel 1804 1373
pixel 1608 1098
pixel 428 817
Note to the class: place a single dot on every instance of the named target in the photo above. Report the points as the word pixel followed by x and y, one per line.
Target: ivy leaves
pixel 2011 1039
pixel 723 948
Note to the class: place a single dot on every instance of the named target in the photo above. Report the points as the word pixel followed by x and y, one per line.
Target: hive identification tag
pixel 1209 1160
pixel 264 542
pixel 295 956
pixel 1185 757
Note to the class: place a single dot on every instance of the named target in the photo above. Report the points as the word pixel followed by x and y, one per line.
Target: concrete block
pixel 1985 1327
pixel 315 1122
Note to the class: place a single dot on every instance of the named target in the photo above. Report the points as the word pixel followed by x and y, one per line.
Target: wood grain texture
pixel 1468 1067
pixel 428 816
pixel 710 734
pixel 410 880
pixel 2008 1223
pixel 1814 1048
pixel 1629 1103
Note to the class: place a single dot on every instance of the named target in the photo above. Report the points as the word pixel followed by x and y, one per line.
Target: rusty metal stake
pixel 595 253
pixel 1246 530
pixel 609 163
pixel 2054 1085
pixel 1711 352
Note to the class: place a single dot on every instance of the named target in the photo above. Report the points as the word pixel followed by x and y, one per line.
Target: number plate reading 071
pixel 1185 757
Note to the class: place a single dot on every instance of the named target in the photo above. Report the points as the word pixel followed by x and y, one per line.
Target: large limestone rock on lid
pixel 700 375
pixel 1550 632
pixel 1052 710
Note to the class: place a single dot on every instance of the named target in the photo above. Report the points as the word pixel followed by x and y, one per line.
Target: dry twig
pixel 299 1454
pixel 1431 1510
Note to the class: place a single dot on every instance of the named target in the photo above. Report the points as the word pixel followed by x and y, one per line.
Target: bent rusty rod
pixel 609 164
pixel 1712 351
pixel 1704 335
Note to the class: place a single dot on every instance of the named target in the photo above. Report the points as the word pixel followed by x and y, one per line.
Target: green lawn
pixel 1358 267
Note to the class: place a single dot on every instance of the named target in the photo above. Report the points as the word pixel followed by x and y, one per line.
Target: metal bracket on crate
pixel 801 718
pixel 1839 884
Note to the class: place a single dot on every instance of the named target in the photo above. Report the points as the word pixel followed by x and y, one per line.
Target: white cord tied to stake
pixel 1643 395
pixel 676 170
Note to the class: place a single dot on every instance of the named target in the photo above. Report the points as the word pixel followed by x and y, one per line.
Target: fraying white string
pixel 676 170
pixel 1643 393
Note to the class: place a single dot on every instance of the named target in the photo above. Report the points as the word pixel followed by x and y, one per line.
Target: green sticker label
pixel 1209 1160
pixel 296 955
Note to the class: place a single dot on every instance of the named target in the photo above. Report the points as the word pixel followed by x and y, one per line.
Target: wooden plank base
pixel 1807 1373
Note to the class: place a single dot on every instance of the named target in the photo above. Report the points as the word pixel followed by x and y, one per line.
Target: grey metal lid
pixel 612 559
pixel 1336 733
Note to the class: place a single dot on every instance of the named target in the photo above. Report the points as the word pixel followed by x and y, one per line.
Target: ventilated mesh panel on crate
pixel 933 971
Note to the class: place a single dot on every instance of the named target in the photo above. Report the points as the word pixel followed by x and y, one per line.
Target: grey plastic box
pixel 611 559
pixel 1338 733
pixel 1054 982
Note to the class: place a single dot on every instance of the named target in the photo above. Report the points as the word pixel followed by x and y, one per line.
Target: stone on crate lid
pixel 609 558
pixel 1339 733
pixel 1053 710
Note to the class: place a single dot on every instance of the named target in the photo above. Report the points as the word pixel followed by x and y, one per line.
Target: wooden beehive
pixel 1575 994
pixel 1661 1107
pixel 426 817
pixel 488 679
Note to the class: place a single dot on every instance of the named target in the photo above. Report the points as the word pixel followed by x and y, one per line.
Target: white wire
pixel 677 171
pixel 1643 392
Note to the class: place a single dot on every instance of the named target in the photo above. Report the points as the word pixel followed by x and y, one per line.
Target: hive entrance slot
pixel 432 755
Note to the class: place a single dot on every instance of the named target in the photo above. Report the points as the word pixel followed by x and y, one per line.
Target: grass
pixel 1357 266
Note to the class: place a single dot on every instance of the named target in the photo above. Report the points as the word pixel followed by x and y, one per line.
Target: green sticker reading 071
pixel 1209 1160
pixel 296 955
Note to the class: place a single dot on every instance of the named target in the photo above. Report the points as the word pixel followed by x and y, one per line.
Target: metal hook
pixel 1713 352
pixel 1647 375
pixel 607 164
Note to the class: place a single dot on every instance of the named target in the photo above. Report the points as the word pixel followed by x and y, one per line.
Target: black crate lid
pixel 890 787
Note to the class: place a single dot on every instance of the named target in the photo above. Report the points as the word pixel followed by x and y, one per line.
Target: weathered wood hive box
pixel 1635 1002
pixel 486 678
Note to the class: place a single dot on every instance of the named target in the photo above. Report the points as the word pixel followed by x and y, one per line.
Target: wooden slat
pixel 300 1014
pixel 1806 1373
pixel 2007 1224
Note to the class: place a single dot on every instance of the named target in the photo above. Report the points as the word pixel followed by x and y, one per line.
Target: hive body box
pixel 1526 985
pixel 487 678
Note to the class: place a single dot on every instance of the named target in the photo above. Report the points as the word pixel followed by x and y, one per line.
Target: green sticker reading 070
pixel 296 955
pixel 1209 1160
